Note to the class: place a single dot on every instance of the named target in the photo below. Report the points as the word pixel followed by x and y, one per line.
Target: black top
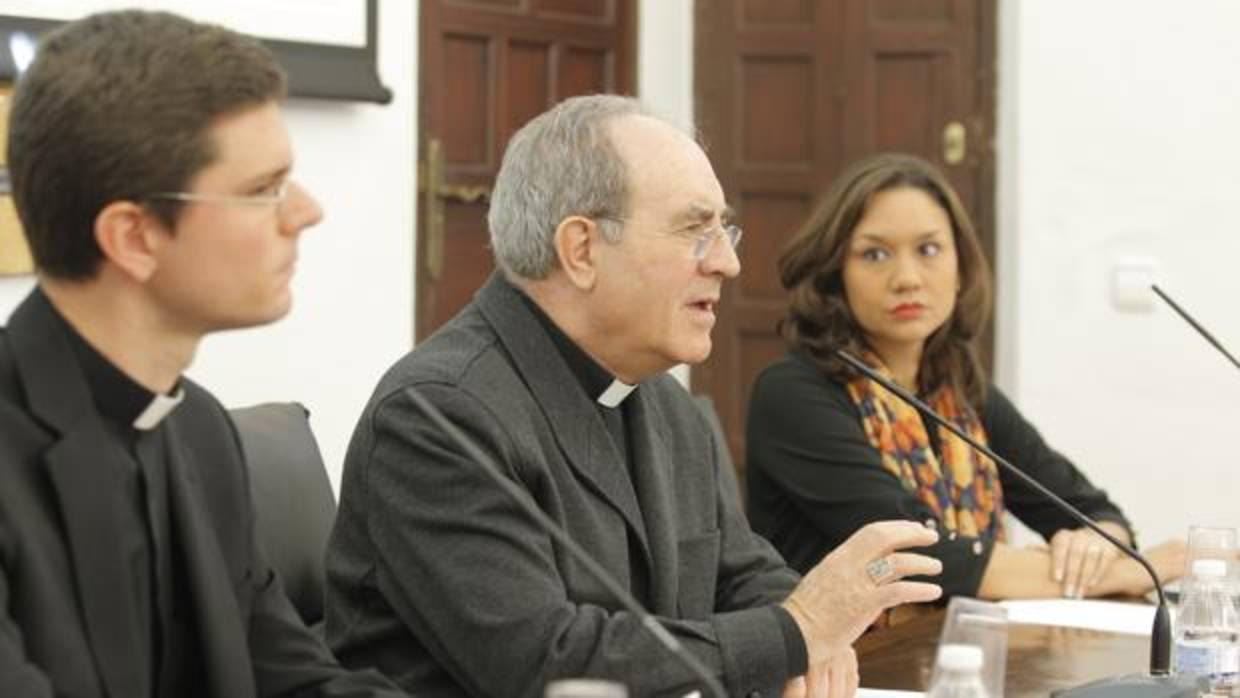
pixel 594 379
pixel 72 622
pixel 814 478
pixel 159 598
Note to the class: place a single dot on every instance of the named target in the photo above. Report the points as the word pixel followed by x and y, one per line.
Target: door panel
pixel 788 92
pixel 487 67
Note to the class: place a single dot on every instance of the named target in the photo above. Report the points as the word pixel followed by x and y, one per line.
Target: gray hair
pixel 562 163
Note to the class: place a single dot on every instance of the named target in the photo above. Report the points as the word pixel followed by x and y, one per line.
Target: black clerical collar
pixel 600 385
pixel 117 396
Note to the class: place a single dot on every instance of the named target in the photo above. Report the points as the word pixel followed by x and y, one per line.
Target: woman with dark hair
pixel 889 268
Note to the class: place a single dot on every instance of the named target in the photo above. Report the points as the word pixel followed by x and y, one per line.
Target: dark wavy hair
pixel 811 269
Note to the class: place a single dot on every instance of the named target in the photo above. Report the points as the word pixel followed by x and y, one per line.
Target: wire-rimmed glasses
pixel 702 236
pixel 271 199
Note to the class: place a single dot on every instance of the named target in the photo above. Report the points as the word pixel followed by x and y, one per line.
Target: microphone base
pixel 1136 686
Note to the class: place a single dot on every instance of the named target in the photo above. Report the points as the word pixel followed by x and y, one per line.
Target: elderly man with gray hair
pixel 613 241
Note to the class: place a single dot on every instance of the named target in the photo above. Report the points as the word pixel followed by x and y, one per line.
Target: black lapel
pixel 222 638
pixel 577 426
pixel 85 467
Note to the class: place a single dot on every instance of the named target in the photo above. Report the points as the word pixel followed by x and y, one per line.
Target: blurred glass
pixel 1212 543
pixel 980 623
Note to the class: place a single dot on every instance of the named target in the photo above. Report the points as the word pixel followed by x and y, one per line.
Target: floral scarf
pixel 960 485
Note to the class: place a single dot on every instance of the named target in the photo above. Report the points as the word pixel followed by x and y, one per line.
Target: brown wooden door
pixel 487 67
pixel 791 91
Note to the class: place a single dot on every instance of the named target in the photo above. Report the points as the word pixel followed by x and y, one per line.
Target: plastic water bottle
pixel 1206 640
pixel 960 673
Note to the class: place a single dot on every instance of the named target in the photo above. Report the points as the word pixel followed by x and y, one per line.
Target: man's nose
pixel 299 211
pixel 721 257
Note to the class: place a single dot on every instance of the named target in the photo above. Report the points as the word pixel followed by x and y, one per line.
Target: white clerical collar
pixel 615 393
pixel 159 408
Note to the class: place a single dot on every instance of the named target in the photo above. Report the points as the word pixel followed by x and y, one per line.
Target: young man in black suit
pixel 151 172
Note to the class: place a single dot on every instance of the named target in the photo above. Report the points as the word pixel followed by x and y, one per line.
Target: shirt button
pixel 977 547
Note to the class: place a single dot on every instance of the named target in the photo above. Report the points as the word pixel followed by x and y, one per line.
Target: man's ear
pixel 574 241
pixel 129 235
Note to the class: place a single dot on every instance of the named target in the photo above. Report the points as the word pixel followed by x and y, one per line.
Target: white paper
pixel 884 693
pixel 1109 616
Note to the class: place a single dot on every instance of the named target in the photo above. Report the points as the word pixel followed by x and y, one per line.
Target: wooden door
pixel 791 91
pixel 487 67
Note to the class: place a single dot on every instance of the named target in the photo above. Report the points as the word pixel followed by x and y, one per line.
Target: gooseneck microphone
pixel 1196 325
pixel 523 500
pixel 1160 683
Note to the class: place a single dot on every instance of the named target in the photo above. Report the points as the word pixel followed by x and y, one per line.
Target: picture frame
pixel 315 70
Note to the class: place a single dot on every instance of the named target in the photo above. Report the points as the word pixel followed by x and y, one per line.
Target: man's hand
pixel 835 677
pixel 845 592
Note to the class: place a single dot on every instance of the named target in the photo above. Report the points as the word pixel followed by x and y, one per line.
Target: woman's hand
pixel 1080 558
pixel 1129 578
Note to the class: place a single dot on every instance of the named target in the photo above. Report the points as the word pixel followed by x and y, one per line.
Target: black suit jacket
pixel 67 626
pixel 438 579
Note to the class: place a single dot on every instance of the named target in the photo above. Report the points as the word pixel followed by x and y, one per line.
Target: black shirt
pixel 147 527
pixel 594 380
pixel 814 478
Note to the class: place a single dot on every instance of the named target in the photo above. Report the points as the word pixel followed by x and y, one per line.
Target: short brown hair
pixel 819 320
pixel 117 106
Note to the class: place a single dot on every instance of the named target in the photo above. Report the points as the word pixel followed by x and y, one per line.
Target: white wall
pixel 353 307
pixel 353 291
pixel 665 58
pixel 665 72
pixel 1117 137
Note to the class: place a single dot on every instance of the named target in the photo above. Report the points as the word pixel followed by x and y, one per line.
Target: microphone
pixel 1160 683
pixel 1196 325
pixel 523 500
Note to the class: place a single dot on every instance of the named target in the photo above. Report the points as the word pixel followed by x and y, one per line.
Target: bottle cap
pixel 960 657
pixel 1209 568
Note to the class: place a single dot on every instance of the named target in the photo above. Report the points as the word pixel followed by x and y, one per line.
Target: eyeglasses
pixel 267 199
pixel 702 240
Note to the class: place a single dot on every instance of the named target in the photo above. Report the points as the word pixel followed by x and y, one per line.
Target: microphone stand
pixel 1159 683
pixel 522 499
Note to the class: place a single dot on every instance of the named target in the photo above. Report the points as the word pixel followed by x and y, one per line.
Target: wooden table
pixel 1040 658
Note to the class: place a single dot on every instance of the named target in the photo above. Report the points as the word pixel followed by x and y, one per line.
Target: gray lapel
pixel 652 469
pixel 578 428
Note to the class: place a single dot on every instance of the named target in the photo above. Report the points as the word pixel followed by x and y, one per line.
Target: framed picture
pixel 14 255
pixel 328 47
